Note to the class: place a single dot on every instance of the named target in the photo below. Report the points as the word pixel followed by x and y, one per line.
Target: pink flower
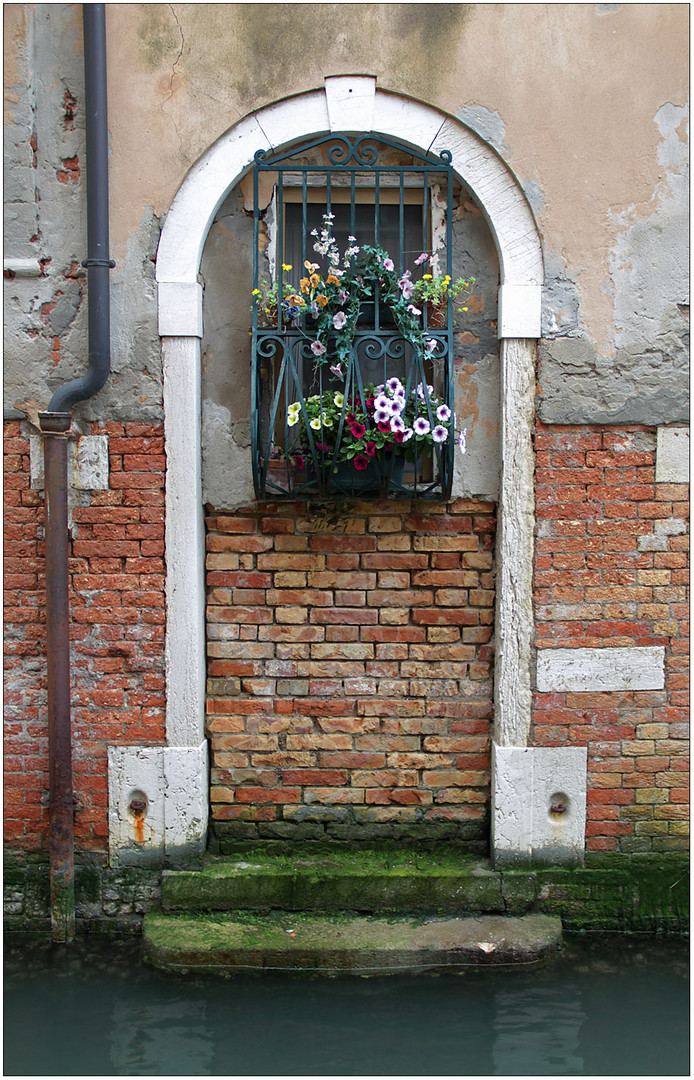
pixel 406 286
pixel 421 259
pixel 413 310
pixel 431 344
pixel 370 449
pixel 388 264
pixel 318 348
pixel 361 462
pixel 339 320
pixel 357 430
pixel 336 370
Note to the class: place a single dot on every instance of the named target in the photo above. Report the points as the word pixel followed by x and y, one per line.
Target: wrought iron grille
pixel 309 407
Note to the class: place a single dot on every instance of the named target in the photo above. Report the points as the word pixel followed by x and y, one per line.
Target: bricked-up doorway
pixel 178 776
pixel 350 672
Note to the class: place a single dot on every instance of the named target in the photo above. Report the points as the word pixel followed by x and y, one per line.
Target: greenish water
pixel 610 1006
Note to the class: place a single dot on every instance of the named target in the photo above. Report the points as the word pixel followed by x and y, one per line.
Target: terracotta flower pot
pixel 437 315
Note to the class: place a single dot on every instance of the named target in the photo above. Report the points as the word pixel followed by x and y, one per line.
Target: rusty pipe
pixel 55 427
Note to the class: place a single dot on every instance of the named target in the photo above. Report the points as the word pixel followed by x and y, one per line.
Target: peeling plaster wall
pixel 45 341
pixel 587 103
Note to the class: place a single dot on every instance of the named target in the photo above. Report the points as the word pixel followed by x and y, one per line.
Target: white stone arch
pixel 349 104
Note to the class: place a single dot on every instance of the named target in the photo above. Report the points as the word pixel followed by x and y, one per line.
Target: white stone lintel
pixel 520 311
pixel 585 671
pixel 672 454
pixel 171 782
pixel 538 804
pixel 350 100
pixel 180 308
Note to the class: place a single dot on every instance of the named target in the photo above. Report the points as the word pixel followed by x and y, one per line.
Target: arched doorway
pixel 178 773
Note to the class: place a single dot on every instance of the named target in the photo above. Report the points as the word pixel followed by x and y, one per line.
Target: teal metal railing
pixel 306 409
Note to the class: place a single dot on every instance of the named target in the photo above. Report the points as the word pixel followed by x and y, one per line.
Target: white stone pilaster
pixel 514 553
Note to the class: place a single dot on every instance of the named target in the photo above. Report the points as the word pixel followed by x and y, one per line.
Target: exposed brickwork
pixel 350 671
pixel 117 630
pixel 611 569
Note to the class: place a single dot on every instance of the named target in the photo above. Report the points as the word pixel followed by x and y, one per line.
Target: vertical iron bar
pixel 61 799
pixel 279 272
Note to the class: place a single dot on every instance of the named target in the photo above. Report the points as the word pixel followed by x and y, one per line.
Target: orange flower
pixel 322 300
pixel 311 266
pixel 315 280
pixel 332 280
pixel 304 284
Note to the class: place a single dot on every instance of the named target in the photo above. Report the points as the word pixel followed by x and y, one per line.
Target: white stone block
pixel 585 671
pixel 90 463
pixel 538 804
pixel 87 462
pixel 180 309
pixel 672 455
pixel 520 311
pixel 158 804
pixel 350 100
pixel 136 773
pixel 186 807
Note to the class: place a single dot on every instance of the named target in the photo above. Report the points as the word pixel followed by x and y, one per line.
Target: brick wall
pixel 350 671
pixel 117 628
pixel 611 570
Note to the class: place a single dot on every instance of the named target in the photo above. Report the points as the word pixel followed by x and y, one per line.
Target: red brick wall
pixel 117 630
pixel 350 672
pixel 611 570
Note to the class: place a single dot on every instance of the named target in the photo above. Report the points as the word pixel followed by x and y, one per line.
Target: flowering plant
pixel 436 289
pixel 388 418
pixel 332 299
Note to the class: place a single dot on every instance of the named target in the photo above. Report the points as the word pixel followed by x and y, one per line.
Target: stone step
pixel 358 881
pixel 330 945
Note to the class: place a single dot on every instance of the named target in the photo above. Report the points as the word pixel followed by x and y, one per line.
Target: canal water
pixel 610 1006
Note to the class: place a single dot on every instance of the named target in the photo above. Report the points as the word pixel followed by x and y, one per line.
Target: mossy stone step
pixel 371 881
pixel 329 945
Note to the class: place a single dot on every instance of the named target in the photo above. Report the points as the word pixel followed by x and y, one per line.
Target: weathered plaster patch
pixel 560 299
pixel 227 478
pixel 488 125
pixel 645 380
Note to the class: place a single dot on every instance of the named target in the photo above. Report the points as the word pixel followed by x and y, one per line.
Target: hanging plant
pixel 327 303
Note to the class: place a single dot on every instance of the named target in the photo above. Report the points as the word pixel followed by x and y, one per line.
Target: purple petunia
pixel 421 426
pixel 439 434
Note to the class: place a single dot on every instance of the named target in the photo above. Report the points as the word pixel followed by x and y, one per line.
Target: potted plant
pixel 363 441
pixel 434 291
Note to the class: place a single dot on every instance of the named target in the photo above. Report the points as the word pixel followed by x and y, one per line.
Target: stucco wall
pixel 587 103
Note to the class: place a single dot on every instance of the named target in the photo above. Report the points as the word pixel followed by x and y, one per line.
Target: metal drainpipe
pixel 55 425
